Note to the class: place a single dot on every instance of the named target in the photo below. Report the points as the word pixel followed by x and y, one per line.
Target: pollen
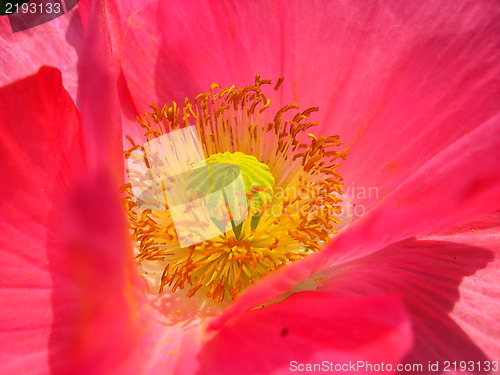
pixel 290 185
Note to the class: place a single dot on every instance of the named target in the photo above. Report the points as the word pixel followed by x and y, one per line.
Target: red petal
pixel 68 305
pixel 167 345
pixel 94 251
pixel 309 327
pixel 41 154
pixel 399 81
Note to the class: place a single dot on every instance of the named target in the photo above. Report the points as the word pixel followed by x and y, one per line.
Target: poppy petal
pixel 55 43
pixel 41 156
pixel 310 327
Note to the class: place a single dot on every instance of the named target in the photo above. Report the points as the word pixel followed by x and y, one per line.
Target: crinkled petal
pixel 310 328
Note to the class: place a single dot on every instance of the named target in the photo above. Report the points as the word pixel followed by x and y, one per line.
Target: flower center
pixel 284 208
pixel 257 179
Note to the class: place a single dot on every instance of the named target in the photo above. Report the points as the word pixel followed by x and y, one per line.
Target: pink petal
pixel 41 156
pixel 94 252
pixel 72 301
pixel 116 21
pixel 309 327
pixel 67 266
pixel 399 81
pixel 383 75
pixel 464 181
pixel 450 290
pixel 477 311
pixel 167 344
pixel 118 16
pixel 402 74
pixel 54 43
pixel 98 98
pixel 176 50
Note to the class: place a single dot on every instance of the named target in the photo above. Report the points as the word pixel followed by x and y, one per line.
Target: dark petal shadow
pixel 427 274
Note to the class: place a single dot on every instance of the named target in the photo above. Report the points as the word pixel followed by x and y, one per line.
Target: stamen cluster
pixel 296 218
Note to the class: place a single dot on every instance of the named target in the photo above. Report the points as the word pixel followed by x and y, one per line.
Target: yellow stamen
pixel 292 187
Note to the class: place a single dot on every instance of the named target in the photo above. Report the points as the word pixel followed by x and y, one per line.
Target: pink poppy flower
pixel 411 89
